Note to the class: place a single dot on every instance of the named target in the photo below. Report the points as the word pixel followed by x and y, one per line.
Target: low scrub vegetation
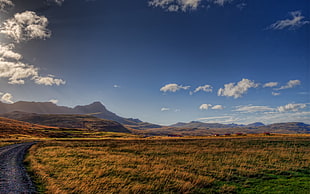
pixel 214 165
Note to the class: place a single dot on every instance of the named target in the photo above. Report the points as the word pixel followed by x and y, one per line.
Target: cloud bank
pixel 16 71
pixel 252 109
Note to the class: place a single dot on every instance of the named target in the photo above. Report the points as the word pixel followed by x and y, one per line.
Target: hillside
pixel 68 121
pixel 10 127
pixel 198 129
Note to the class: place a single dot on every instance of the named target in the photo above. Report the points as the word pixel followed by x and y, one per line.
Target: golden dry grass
pixel 169 165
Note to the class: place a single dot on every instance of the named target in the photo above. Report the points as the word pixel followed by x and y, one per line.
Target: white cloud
pixel 173 88
pixel 290 84
pixel 54 101
pixel 116 86
pixel 164 109
pixel 48 81
pixel 221 2
pixel 211 118
pixel 217 107
pixel 175 5
pixel 252 109
pixel 220 119
pixel 16 71
pixel 59 2
pixel 270 84
pixel 295 22
pixel 26 26
pixel 5 4
pixel 291 107
pixel 205 106
pixel 276 93
pixel 7 98
pixel 236 91
pixel 6 51
pixel 279 117
pixel 205 88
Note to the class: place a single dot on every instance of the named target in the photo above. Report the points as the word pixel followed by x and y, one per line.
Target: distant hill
pixel 68 121
pixel 199 128
pixel 96 109
pixel 197 124
pixel 9 127
pixel 257 124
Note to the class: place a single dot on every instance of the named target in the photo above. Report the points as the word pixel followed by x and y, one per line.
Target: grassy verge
pixel 230 165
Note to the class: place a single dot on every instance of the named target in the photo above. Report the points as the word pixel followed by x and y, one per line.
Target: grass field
pixel 211 165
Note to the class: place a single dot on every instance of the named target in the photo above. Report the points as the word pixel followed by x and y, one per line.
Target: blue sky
pixel 162 61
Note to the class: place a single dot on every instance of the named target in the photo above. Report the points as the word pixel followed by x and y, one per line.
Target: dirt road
pixel 13 176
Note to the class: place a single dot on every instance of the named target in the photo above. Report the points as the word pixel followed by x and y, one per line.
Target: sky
pixel 162 61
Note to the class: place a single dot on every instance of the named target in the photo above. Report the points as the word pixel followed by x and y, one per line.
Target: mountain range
pixel 197 124
pixel 97 116
pixel 96 109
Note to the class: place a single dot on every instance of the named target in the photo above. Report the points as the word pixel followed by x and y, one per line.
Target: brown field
pixel 172 165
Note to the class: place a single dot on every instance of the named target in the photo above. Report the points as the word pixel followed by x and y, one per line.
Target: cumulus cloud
pixel 205 106
pixel 270 84
pixel 295 22
pixel 290 84
pixel 16 71
pixel 7 98
pixel 48 80
pixel 54 101
pixel 252 109
pixel 291 107
pixel 217 107
pixel 5 4
pixel 116 86
pixel 236 91
pixel 6 51
pixel 205 88
pixel 175 5
pixel 26 26
pixel 164 109
pixel 173 88
pixel 276 93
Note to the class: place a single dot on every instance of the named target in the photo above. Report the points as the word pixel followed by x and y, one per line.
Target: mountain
pixel 98 110
pixel 257 124
pixel 297 127
pixel 95 109
pixel 200 128
pixel 35 107
pixel 197 124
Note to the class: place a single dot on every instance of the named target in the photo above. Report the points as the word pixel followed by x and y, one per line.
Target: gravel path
pixel 13 176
